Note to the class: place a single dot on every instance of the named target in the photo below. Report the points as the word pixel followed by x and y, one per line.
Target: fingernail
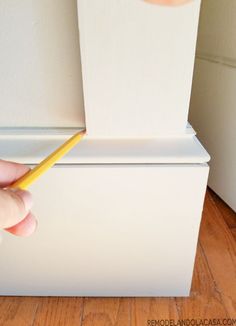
pixel 27 199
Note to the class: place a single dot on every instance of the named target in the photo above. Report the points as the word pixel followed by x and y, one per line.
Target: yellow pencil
pixel 25 181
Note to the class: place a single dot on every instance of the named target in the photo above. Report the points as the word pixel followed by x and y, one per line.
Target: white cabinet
pixel 119 215
pixel 111 229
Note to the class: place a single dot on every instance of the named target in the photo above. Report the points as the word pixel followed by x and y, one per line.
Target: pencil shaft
pixel 30 177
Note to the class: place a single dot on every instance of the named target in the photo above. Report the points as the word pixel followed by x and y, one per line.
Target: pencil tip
pixel 83 132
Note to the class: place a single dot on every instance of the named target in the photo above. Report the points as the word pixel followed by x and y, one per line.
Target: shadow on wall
pixel 212 111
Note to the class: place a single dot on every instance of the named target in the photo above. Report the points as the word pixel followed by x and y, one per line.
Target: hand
pixel 15 205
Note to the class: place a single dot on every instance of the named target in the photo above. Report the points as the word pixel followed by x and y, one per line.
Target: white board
pixel 106 236
pixel 137 62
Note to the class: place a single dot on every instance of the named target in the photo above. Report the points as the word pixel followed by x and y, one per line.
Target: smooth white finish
pixel 137 61
pixel 33 147
pixel 213 111
pixel 40 73
pixel 117 217
pixel 109 230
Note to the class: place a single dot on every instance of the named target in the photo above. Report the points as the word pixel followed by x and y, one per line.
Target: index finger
pixel 10 172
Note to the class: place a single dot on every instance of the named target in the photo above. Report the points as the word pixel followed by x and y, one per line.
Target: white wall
pixel 40 74
pixel 213 103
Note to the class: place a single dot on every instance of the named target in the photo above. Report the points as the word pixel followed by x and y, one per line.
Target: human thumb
pixel 14 206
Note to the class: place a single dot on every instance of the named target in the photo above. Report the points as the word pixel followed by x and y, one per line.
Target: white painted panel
pixel 33 148
pixel 137 63
pixel 109 230
pixel 217 37
pixel 40 73
pixel 213 114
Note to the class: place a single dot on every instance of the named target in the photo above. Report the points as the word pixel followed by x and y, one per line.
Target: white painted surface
pixel 137 63
pixel 128 227
pixel 32 148
pixel 213 109
pixel 40 73
pixel 109 231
